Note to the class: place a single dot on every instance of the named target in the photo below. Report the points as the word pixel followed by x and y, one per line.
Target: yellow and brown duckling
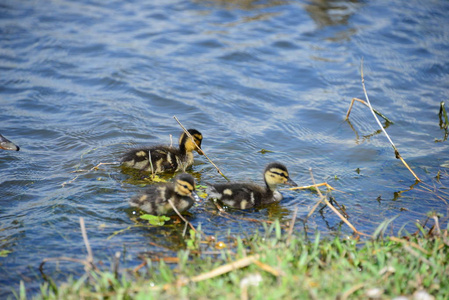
pixel 248 195
pixel 155 199
pixel 6 144
pixel 165 158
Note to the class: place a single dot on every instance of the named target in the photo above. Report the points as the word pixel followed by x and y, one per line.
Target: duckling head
pixel 185 142
pixel 276 174
pixel 185 186
pixel 6 144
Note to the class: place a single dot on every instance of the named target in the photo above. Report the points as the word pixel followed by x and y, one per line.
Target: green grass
pixel 287 268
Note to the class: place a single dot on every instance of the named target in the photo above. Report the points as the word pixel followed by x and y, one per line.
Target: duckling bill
pixel 6 144
pixel 155 199
pixel 165 158
pixel 248 195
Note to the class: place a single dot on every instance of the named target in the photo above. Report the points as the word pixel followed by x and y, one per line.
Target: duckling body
pixel 248 195
pixel 155 199
pixel 165 158
pixel 6 144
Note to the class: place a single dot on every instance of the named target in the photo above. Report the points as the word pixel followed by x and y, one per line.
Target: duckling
pixel 248 195
pixel 7 144
pixel 165 158
pixel 181 193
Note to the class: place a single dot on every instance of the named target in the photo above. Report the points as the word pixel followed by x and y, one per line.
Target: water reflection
pixel 359 140
pixel 331 13
pixel 243 4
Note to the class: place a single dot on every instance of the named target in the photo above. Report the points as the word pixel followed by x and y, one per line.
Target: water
pixel 82 81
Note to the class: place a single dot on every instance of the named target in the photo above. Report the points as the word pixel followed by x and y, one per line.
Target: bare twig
pixel 90 257
pixel 311 186
pixel 398 156
pixel 116 264
pixel 179 215
pixel 238 264
pixel 151 164
pixel 315 207
pixel 292 224
pixel 334 209
pixel 361 101
pixel 218 206
pixel 204 153
pixel 268 268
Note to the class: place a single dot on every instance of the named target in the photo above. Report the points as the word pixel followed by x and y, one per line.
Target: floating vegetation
pixel 155 220
pixel 263 151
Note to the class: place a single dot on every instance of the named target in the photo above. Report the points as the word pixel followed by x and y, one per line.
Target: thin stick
pixel 220 209
pixel 116 264
pixel 292 224
pixel 238 264
pixel 363 102
pixel 312 186
pixel 333 208
pixel 204 153
pixel 381 127
pixel 314 207
pixel 151 164
pixel 179 215
pixel 268 268
pixel 90 257
pixel 343 210
pixel 143 264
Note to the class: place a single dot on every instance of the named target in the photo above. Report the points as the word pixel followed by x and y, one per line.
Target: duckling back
pixel 156 199
pixel 163 159
pixel 160 159
pixel 241 195
pixel 248 195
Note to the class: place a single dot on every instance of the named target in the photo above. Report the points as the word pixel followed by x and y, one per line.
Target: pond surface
pixel 82 81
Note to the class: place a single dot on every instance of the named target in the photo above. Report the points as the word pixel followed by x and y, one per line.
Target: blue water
pixel 82 81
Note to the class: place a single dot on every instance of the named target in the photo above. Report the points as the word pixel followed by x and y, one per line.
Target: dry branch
pixel 361 101
pixel 398 156
pixel 238 264
pixel 368 103
pixel 179 215
pixel 322 198
pixel 204 153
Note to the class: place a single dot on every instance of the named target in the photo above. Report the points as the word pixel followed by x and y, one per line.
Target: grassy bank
pixel 275 265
